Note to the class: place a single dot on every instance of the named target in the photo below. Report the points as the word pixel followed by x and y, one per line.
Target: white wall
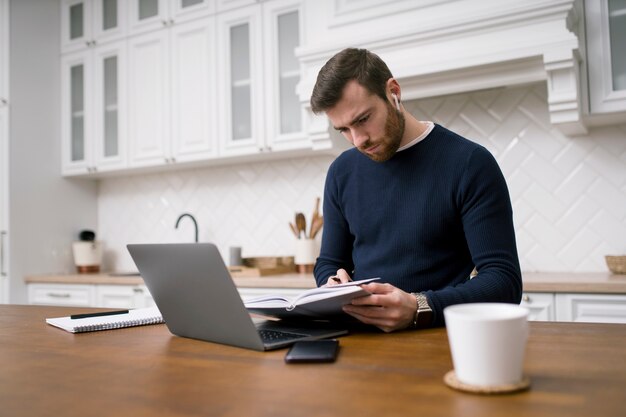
pixel 569 194
pixel 46 211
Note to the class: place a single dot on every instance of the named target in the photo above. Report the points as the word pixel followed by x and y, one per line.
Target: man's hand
pixel 341 277
pixel 387 308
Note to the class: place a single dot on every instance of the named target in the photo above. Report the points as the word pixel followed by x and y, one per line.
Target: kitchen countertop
pixel 270 281
pixel 558 282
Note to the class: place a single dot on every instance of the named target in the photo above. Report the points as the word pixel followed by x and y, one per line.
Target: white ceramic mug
pixel 487 342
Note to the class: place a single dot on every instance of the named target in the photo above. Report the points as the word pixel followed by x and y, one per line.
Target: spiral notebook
pixel 135 317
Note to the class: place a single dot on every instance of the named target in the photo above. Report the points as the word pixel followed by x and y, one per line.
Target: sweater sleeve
pixel 485 208
pixel 336 249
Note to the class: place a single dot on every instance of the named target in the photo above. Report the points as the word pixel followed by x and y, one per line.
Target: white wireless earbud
pixel 395 98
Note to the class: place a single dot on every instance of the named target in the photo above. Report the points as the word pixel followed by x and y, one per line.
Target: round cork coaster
pixel 451 380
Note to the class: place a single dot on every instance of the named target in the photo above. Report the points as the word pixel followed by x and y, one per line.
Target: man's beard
pixel 390 142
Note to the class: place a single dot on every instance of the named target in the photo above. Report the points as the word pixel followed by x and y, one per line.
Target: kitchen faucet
pixel 194 223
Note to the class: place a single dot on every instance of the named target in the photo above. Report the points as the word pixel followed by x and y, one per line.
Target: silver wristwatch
pixel 423 314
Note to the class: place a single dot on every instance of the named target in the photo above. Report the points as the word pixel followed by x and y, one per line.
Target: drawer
pixel 61 295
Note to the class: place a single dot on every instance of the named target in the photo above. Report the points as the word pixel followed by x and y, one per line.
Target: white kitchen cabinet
pixel 148 15
pixel 593 308
pixel 541 306
pixel 605 22
pixel 260 110
pixel 163 104
pixel 87 23
pixel 282 23
pixel 171 95
pixel 241 81
pixel 123 296
pixel 61 294
pixel 93 126
pixel 90 295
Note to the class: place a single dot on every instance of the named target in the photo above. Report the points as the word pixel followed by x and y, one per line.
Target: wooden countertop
pixel 600 283
pixel 294 280
pixel 592 282
pixel 575 369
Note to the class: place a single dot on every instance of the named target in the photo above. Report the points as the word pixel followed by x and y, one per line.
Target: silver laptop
pixel 198 299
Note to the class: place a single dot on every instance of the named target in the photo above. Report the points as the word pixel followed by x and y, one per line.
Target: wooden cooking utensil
pixel 301 225
pixel 316 226
pixel 314 216
pixel 294 230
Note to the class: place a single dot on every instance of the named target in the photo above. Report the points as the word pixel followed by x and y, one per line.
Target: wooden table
pixel 575 369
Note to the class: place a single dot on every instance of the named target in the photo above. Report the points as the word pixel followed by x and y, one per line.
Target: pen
pixel 104 313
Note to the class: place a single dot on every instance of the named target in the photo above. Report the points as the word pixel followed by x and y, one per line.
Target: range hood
pixel 441 47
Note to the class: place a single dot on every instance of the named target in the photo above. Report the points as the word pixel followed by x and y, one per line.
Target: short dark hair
pixel 350 64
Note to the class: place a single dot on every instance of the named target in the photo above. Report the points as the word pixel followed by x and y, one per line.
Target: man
pixel 412 203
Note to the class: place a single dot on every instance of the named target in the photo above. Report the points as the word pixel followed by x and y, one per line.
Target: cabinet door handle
pixel 526 298
pixel 2 271
pixel 59 295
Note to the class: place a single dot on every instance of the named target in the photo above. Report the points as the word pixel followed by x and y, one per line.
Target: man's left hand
pixel 387 308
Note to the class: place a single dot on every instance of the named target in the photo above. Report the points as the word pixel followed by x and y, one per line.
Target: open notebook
pixel 136 317
pixel 321 302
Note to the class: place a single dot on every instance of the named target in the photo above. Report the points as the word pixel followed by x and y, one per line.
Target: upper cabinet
pixel 260 109
pixel 87 23
pixel 172 104
pixel 283 22
pixel 147 15
pixel 93 110
pixel 160 96
pixel 605 22
pixel 241 75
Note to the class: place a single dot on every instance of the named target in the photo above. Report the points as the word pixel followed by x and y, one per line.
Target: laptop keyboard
pixel 273 336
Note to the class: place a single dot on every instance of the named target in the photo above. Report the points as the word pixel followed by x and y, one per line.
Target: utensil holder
pixel 306 254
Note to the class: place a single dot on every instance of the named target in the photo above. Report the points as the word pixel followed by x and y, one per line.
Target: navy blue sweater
pixel 422 221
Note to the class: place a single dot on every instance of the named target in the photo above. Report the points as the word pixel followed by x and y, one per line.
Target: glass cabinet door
pixel 77 113
pixel 148 15
pixel 110 107
pixel 285 117
pixel 240 82
pixel 109 99
pixel 617 40
pixel 605 22
pixel 147 9
pixel 288 73
pixel 88 23
pixel 76 78
pixel 76 21
pixel 75 24
pixel 109 18
pixel 240 75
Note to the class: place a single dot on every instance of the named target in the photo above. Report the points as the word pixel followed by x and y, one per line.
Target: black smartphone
pixel 313 351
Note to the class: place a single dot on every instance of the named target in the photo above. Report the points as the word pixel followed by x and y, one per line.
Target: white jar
pixel 87 256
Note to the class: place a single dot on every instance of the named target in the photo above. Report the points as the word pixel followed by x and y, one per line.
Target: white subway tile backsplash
pixel 568 194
